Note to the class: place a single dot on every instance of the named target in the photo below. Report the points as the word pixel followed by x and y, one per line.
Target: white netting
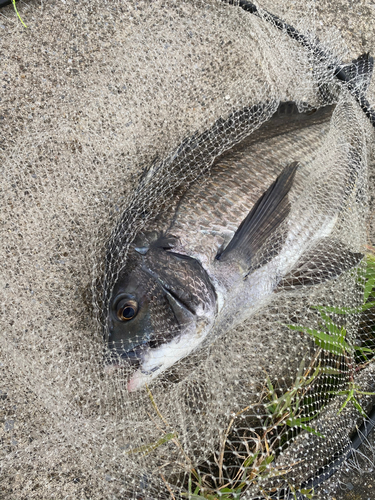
pixel 116 120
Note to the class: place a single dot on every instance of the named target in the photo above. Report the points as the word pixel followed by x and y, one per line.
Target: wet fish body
pixel 226 245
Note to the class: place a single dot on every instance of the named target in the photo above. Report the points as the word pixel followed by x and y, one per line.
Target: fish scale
pixel 212 210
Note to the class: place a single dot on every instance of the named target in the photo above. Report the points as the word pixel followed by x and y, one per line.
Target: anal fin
pixel 325 261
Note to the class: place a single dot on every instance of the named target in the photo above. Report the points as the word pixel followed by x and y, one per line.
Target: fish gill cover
pixel 145 149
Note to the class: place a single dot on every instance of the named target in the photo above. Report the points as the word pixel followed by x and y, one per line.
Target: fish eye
pixel 127 309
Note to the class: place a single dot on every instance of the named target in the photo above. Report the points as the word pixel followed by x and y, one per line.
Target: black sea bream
pixel 226 244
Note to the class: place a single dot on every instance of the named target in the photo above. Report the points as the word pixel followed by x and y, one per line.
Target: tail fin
pixel 358 73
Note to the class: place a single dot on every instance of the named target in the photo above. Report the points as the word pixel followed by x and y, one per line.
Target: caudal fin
pixel 358 73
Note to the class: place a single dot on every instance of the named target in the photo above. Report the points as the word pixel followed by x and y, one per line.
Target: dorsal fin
pixel 263 220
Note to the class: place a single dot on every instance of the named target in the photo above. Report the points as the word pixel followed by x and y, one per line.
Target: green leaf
pixel 194 497
pixel 297 422
pixel 271 408
pixel 311 430
pixel 364 349
pixel 234 493
pixel 368 288
pixel 332 343
pixel 297 328
pixel 345 402
pixel 338 393
pixel 333 328
pixel 331 371
pixel 370 269
pixel 270 386
pixel 293 421
pixel 358 406
pixel 250 460
pixel 366 306
pixel 265 463
pixel 148 448
pixel 336 310
pixel 345 310
pixel 308 493
pixel 316 373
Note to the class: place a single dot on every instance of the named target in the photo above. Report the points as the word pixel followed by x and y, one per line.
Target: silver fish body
pixel 225 245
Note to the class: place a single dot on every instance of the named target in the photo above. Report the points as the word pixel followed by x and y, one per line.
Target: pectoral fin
pixel 325 261
pixel 263 220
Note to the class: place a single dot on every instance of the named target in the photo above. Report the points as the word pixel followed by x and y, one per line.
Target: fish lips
pixel 116 356
pixel 116 359
pixel 125 360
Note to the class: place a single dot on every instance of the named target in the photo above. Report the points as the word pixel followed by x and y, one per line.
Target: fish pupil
pixel 126 309
pixel 128 312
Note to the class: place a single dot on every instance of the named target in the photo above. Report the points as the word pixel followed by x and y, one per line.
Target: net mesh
pixel 112 113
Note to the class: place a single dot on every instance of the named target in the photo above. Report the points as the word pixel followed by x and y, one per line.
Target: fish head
pixel 162 306
pixel 137 306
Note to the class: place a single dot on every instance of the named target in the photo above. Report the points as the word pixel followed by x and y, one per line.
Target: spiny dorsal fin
pixel 263 220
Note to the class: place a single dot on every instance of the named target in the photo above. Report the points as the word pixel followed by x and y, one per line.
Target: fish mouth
pixel 117 359
pixel 125 360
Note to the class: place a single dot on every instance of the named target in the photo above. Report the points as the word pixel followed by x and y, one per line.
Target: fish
pixel 223 246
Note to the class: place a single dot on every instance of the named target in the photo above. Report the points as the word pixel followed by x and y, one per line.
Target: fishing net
pixel 110 108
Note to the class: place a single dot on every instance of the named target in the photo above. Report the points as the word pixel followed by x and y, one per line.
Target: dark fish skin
pixel 175 286
pixel 239 177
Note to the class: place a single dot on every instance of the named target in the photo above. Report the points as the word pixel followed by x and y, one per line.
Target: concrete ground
pixel 353 19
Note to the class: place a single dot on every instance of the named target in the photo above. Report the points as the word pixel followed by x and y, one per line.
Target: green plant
pixel 282 412
pixel 350 393
pixel 332 338
pixel 254 468
pixel 148 448
pixel 19 17
pixel 308 493
pixel 287 409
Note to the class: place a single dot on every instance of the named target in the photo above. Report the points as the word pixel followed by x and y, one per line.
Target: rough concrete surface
pixel 35 78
